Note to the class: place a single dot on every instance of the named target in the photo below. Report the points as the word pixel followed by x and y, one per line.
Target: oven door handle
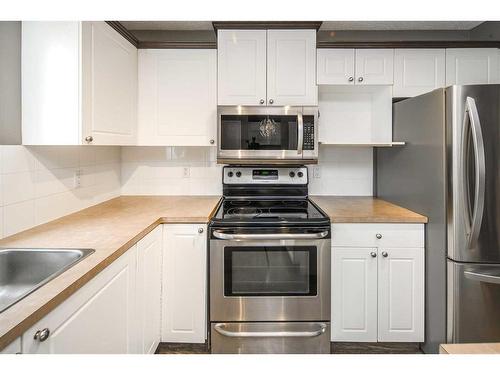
pixel 269 236
pixel 219 327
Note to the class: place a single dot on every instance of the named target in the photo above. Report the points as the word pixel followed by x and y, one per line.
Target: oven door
pixel 266 276
pixel 267 133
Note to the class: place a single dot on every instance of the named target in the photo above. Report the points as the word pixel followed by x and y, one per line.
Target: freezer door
pixel 473 302
pixel 473 168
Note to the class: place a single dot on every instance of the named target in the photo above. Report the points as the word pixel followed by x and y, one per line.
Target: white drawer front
pixel 378 235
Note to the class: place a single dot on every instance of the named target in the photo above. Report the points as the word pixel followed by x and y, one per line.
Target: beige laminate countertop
pixel 110 228
pixel 342 209
pixel 482 348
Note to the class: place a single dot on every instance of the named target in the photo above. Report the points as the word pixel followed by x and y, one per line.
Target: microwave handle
pixel 300 138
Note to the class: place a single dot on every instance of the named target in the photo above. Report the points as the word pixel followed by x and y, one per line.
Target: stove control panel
pixel 265 175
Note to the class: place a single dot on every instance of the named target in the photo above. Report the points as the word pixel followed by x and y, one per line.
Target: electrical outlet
pixel 316 172
pixel 77 178
pixel 185 172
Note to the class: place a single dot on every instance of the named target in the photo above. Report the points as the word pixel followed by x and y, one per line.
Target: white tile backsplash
pixel 160 170
pixel 38 183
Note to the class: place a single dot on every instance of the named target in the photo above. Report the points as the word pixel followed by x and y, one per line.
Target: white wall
pixel 37 183
pixel 161 170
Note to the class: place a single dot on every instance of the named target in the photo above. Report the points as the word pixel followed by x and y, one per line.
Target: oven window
pixel 270 271
pixel 258 132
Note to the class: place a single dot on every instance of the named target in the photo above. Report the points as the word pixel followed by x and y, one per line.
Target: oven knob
pixel 300 174
pixel 230 174
pixel 291 174
pixel 238 174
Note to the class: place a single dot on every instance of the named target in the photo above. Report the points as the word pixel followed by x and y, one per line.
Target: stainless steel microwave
pixel 287 135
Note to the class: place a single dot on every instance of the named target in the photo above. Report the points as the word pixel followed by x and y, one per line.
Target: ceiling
pixel 327 25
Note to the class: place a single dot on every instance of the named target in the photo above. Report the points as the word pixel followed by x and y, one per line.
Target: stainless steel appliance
pixel 261 135
pixel 269 265
pixel 450 171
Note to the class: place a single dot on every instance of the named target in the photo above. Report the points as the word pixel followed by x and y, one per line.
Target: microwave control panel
pixel 308 137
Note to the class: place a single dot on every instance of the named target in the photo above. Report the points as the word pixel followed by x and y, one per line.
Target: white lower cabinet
pixel 378 283
pixel 149 256
pixel 98 318
pixel 13 348
pixel 184 283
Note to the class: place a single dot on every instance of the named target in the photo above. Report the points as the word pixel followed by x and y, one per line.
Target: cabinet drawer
pixel 378 235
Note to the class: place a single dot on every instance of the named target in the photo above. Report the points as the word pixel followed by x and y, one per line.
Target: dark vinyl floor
pixel 336 348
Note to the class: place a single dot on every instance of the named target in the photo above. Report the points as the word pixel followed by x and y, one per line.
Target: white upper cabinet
pixel 79 81
pixel 178 97
pixel 374 66
pixel 241 67
pixel 469 66
pixel 291 67
pixel 259 67
pixel 355 66
pixel 417 71
pixel 335 66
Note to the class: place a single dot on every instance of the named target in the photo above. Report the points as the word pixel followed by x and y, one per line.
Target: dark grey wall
pixel 174 36
pixel 391 36
pixel 10 83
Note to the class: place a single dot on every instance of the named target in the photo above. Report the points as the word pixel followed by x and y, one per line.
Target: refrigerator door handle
pixel 486 278
pixel 474 219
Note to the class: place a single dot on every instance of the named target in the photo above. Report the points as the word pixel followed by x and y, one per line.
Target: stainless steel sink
pixel 22 271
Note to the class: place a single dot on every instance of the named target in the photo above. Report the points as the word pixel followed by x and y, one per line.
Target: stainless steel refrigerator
pixel 449 170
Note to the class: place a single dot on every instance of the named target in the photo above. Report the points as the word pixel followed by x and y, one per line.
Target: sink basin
pixel 22 271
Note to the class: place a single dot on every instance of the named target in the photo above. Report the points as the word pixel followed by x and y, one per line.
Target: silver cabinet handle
pixel 300 136
pixel 350 79
pixel 473 219
pixel 269 236
pixel 219 327
pixel 379 236
pixel 373 254
pixel 492 279
pixel 42 335
pixel 200 230
pixel 212 141
pixel 271 101
pixel 360 79
pixel 384 254
pixel 89 138
pixel 262 101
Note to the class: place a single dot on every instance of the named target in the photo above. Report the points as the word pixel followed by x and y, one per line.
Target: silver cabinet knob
pixel 379 236
pixel 262 101
pixel 212 141
pixel 360 79
pixel 42 335
pixel 89 138
pixel 200 230
pixel 373 254
pixel 271 101
pixel 384 254
pixel 350 79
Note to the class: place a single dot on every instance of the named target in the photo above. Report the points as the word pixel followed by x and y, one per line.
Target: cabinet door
pixel 50 68
pixel 471 66
pixel 401 294
pixel 149 255
pixel 335 66
pixel 13 348
pixel 241 59
pixel 184 283
pixel 291 67
pixel 354 294
pixel 417 71
pixel 374 66
pixel 99 318
pixel 109 86
pixel 177 97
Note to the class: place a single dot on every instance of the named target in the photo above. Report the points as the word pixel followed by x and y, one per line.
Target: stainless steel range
pixel 269 265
